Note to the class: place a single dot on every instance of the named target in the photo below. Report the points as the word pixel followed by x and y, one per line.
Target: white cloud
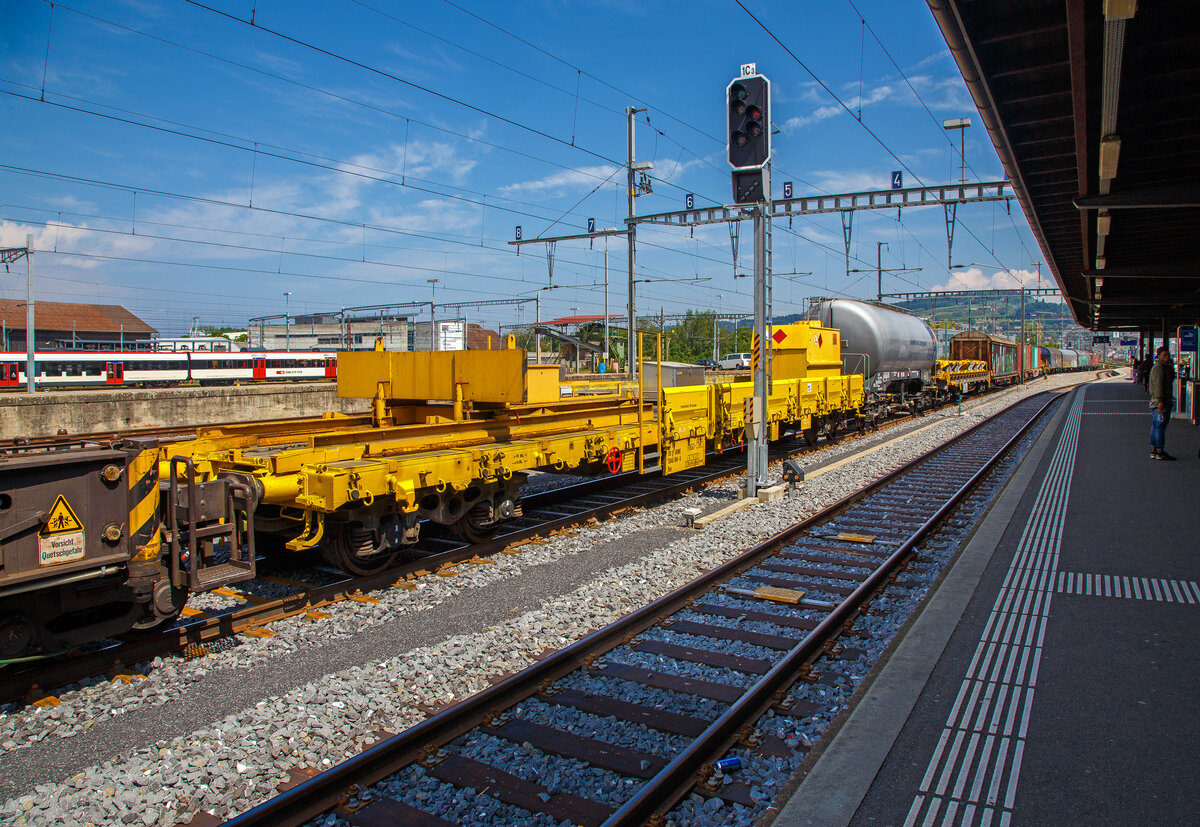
pixel 948 93
pixel 567 179
pixel 975 278
pixel 69 203
pixel 72 238
pixel 831 180
pixel 672 169
pixel 821 113
pixel 426 160
pixel 815 234
pixel 878 94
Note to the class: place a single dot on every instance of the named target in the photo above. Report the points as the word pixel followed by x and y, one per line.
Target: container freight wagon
pixel 1032 361
pixel 1051 358
pixel 999 354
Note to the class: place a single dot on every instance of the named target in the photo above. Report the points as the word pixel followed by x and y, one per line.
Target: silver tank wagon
pixel 877 339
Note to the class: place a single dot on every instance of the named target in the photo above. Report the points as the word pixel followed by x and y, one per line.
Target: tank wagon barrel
pixel 877 339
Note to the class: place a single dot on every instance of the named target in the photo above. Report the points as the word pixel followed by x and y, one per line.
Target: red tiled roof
pixel 86 318
pixel 477 338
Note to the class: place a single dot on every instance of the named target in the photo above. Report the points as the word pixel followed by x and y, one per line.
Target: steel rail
pixel 42 675
pixel 324 791
pixel 664 790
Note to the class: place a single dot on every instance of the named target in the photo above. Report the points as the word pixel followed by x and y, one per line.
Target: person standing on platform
pixel 1162 382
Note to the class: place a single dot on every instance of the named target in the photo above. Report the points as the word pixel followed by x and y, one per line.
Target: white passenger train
pixel 81 369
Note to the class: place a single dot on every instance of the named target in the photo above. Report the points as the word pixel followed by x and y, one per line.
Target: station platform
pixel 1053 677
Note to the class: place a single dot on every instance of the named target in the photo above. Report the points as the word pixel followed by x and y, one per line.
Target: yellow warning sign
pixel 61 520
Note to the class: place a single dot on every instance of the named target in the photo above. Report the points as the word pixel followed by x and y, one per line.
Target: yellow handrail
pixel 641 386
pixel 659 401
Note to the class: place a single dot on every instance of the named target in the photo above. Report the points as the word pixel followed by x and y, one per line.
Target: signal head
pixel 748 100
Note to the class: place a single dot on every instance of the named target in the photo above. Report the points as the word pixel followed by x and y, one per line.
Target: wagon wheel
pixel 477 525
pixel 148 626
pixel 810 435
pixel 831 429
pixel 358 550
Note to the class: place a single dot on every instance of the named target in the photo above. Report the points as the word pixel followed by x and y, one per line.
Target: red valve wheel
pixel 614 459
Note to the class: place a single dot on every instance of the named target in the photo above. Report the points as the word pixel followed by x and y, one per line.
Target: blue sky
pixel 176 159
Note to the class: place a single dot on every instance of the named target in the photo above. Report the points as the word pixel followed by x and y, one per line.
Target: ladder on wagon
pixel 210 529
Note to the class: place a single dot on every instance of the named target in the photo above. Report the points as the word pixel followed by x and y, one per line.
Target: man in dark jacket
pixel 1162 382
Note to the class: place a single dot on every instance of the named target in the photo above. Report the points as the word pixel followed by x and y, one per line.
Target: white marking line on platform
pixel 1158 589
pixel 994 682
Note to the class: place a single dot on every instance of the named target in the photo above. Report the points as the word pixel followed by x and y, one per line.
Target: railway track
pixel 695 669
pixel 544 514
pixel 64 441
pixel 249 611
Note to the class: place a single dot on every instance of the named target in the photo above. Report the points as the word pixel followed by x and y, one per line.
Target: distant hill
pixel 1001 308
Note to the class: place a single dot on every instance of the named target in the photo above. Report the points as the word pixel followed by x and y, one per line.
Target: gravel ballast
pixel 137 737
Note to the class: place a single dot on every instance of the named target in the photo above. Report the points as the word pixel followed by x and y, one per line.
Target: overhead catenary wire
pixel 309 87
pixel 879 140
pixel 477 239
pixel 389 75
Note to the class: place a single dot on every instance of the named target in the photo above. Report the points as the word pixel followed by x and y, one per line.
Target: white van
pixel 734 361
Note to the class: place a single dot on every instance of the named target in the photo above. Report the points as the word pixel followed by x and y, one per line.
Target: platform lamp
pixel 287 319
pixel 716 321
pixel 961 125
pixel 7 256
pixel 432 300
pixel 578 355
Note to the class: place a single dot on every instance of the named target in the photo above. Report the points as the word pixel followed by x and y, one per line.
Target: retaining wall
pixel 93 411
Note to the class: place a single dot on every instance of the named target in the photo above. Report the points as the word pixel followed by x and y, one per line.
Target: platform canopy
pixel 1094 109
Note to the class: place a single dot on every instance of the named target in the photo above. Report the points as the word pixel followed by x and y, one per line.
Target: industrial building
pixel 333 332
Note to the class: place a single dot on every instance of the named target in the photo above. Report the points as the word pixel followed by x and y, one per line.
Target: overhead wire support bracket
pixel 520 242
pixel 844 202
pixel 974 294
pixel 847 234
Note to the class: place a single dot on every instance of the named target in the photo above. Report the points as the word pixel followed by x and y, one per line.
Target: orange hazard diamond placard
pixel 61 519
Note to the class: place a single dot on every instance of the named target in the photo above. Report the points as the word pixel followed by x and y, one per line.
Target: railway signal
pixel 747 114
pixel 748 117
